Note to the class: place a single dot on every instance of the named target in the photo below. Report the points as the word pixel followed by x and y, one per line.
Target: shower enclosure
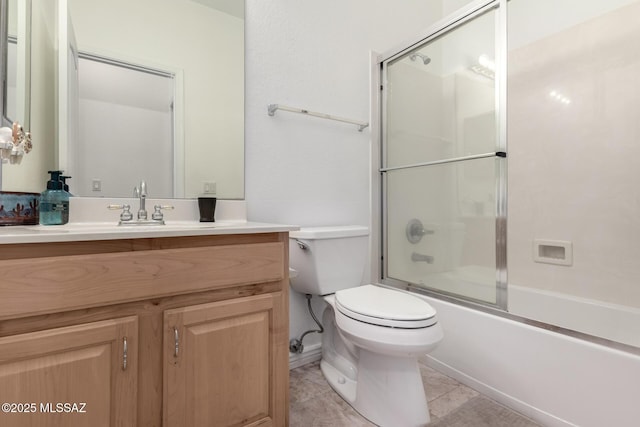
pixel 496 83
pixel 443 161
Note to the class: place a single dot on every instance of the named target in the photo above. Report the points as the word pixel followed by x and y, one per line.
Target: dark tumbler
pixel 207 206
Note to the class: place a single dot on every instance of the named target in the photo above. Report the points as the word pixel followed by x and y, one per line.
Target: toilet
pixel 373 336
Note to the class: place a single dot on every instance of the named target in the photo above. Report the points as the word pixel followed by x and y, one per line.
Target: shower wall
pixel 573 108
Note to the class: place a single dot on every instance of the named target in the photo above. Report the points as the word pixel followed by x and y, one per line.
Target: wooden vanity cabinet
pixel 204 319
pixel 218 363
pixel 72 376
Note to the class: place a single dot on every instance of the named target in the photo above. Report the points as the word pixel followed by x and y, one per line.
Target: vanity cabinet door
pixel 225 363
pixel 82 375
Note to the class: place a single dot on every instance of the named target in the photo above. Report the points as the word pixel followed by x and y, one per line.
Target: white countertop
pixel 91 220
pixel 112 231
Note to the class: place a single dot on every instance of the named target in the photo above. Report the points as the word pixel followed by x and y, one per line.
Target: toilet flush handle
pixel 302 245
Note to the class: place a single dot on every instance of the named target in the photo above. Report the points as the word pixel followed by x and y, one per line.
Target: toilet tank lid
pixel 333 232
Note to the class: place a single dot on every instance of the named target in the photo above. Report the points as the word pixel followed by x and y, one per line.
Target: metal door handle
pixel 176 338
pixel 124 354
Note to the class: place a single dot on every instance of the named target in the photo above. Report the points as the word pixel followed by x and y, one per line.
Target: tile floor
pixel 451 404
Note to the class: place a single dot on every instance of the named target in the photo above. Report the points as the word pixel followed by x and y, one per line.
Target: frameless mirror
pixel 15 42
pixel 130 90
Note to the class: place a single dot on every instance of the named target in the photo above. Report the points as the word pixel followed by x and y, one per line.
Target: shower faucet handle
pixel 415 230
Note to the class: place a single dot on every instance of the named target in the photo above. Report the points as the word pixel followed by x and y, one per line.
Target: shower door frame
pixel 379 186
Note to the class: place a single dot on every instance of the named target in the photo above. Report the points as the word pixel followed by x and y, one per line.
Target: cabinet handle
pixel 124 354
pixel 176 338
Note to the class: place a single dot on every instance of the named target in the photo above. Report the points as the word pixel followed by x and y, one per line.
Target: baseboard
pixel 517 405
pixel 310 354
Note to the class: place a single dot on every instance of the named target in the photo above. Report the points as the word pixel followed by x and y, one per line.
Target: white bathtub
pixel 613 322
pixel 554 379
pixel 600 319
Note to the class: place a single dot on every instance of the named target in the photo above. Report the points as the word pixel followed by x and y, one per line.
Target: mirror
pixel 15 31
pixel 88 60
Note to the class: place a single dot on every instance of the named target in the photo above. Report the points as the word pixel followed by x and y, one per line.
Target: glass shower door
pixel 442 162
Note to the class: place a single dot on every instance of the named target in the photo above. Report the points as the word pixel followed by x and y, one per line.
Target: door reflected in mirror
pixel 141 101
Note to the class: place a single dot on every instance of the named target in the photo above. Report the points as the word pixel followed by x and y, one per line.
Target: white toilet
pixel 373 335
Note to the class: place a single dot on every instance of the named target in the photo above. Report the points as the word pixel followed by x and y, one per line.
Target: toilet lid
pixel 385 307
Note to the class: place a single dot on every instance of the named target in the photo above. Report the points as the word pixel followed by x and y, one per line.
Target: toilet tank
pixel 328 259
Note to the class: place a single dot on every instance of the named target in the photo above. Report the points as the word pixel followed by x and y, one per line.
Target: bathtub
pixel 553 378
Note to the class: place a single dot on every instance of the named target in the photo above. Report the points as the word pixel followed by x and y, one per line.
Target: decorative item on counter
pixel 207 207
pixel 19 208
pixel 15 142
pixel 54 202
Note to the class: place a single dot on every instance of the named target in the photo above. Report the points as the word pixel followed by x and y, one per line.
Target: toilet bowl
pixel 373 335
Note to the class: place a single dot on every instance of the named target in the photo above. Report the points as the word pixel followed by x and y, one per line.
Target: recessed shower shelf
pixel 272 108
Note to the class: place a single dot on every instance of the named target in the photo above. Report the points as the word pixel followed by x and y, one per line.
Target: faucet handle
pixel 126 214
pixel 415 230
pixel 157 211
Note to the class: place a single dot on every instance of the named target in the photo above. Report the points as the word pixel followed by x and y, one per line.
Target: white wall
pixel 140 132
pixel 315 55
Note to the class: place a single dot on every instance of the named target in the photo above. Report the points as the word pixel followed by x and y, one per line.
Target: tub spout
pixel 416 257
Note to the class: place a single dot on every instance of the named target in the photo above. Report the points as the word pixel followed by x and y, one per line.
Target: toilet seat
pixel 385 307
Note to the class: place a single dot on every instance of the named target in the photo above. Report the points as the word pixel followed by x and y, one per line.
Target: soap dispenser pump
pixel 65 186
pixel 54 202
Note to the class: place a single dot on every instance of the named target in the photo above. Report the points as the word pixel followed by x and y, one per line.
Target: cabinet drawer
pixel 53 284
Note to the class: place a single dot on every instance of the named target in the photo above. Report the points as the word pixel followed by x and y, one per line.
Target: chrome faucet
pixel 141 193
pixel 126 217
pixel 416 257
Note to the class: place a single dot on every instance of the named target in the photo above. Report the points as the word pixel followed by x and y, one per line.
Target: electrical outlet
pixel 96 185
pixel 209 187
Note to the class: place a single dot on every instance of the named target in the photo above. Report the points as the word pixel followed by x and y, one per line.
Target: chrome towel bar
pixel 272 108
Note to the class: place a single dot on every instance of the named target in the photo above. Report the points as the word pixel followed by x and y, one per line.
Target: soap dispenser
pixel 54 202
